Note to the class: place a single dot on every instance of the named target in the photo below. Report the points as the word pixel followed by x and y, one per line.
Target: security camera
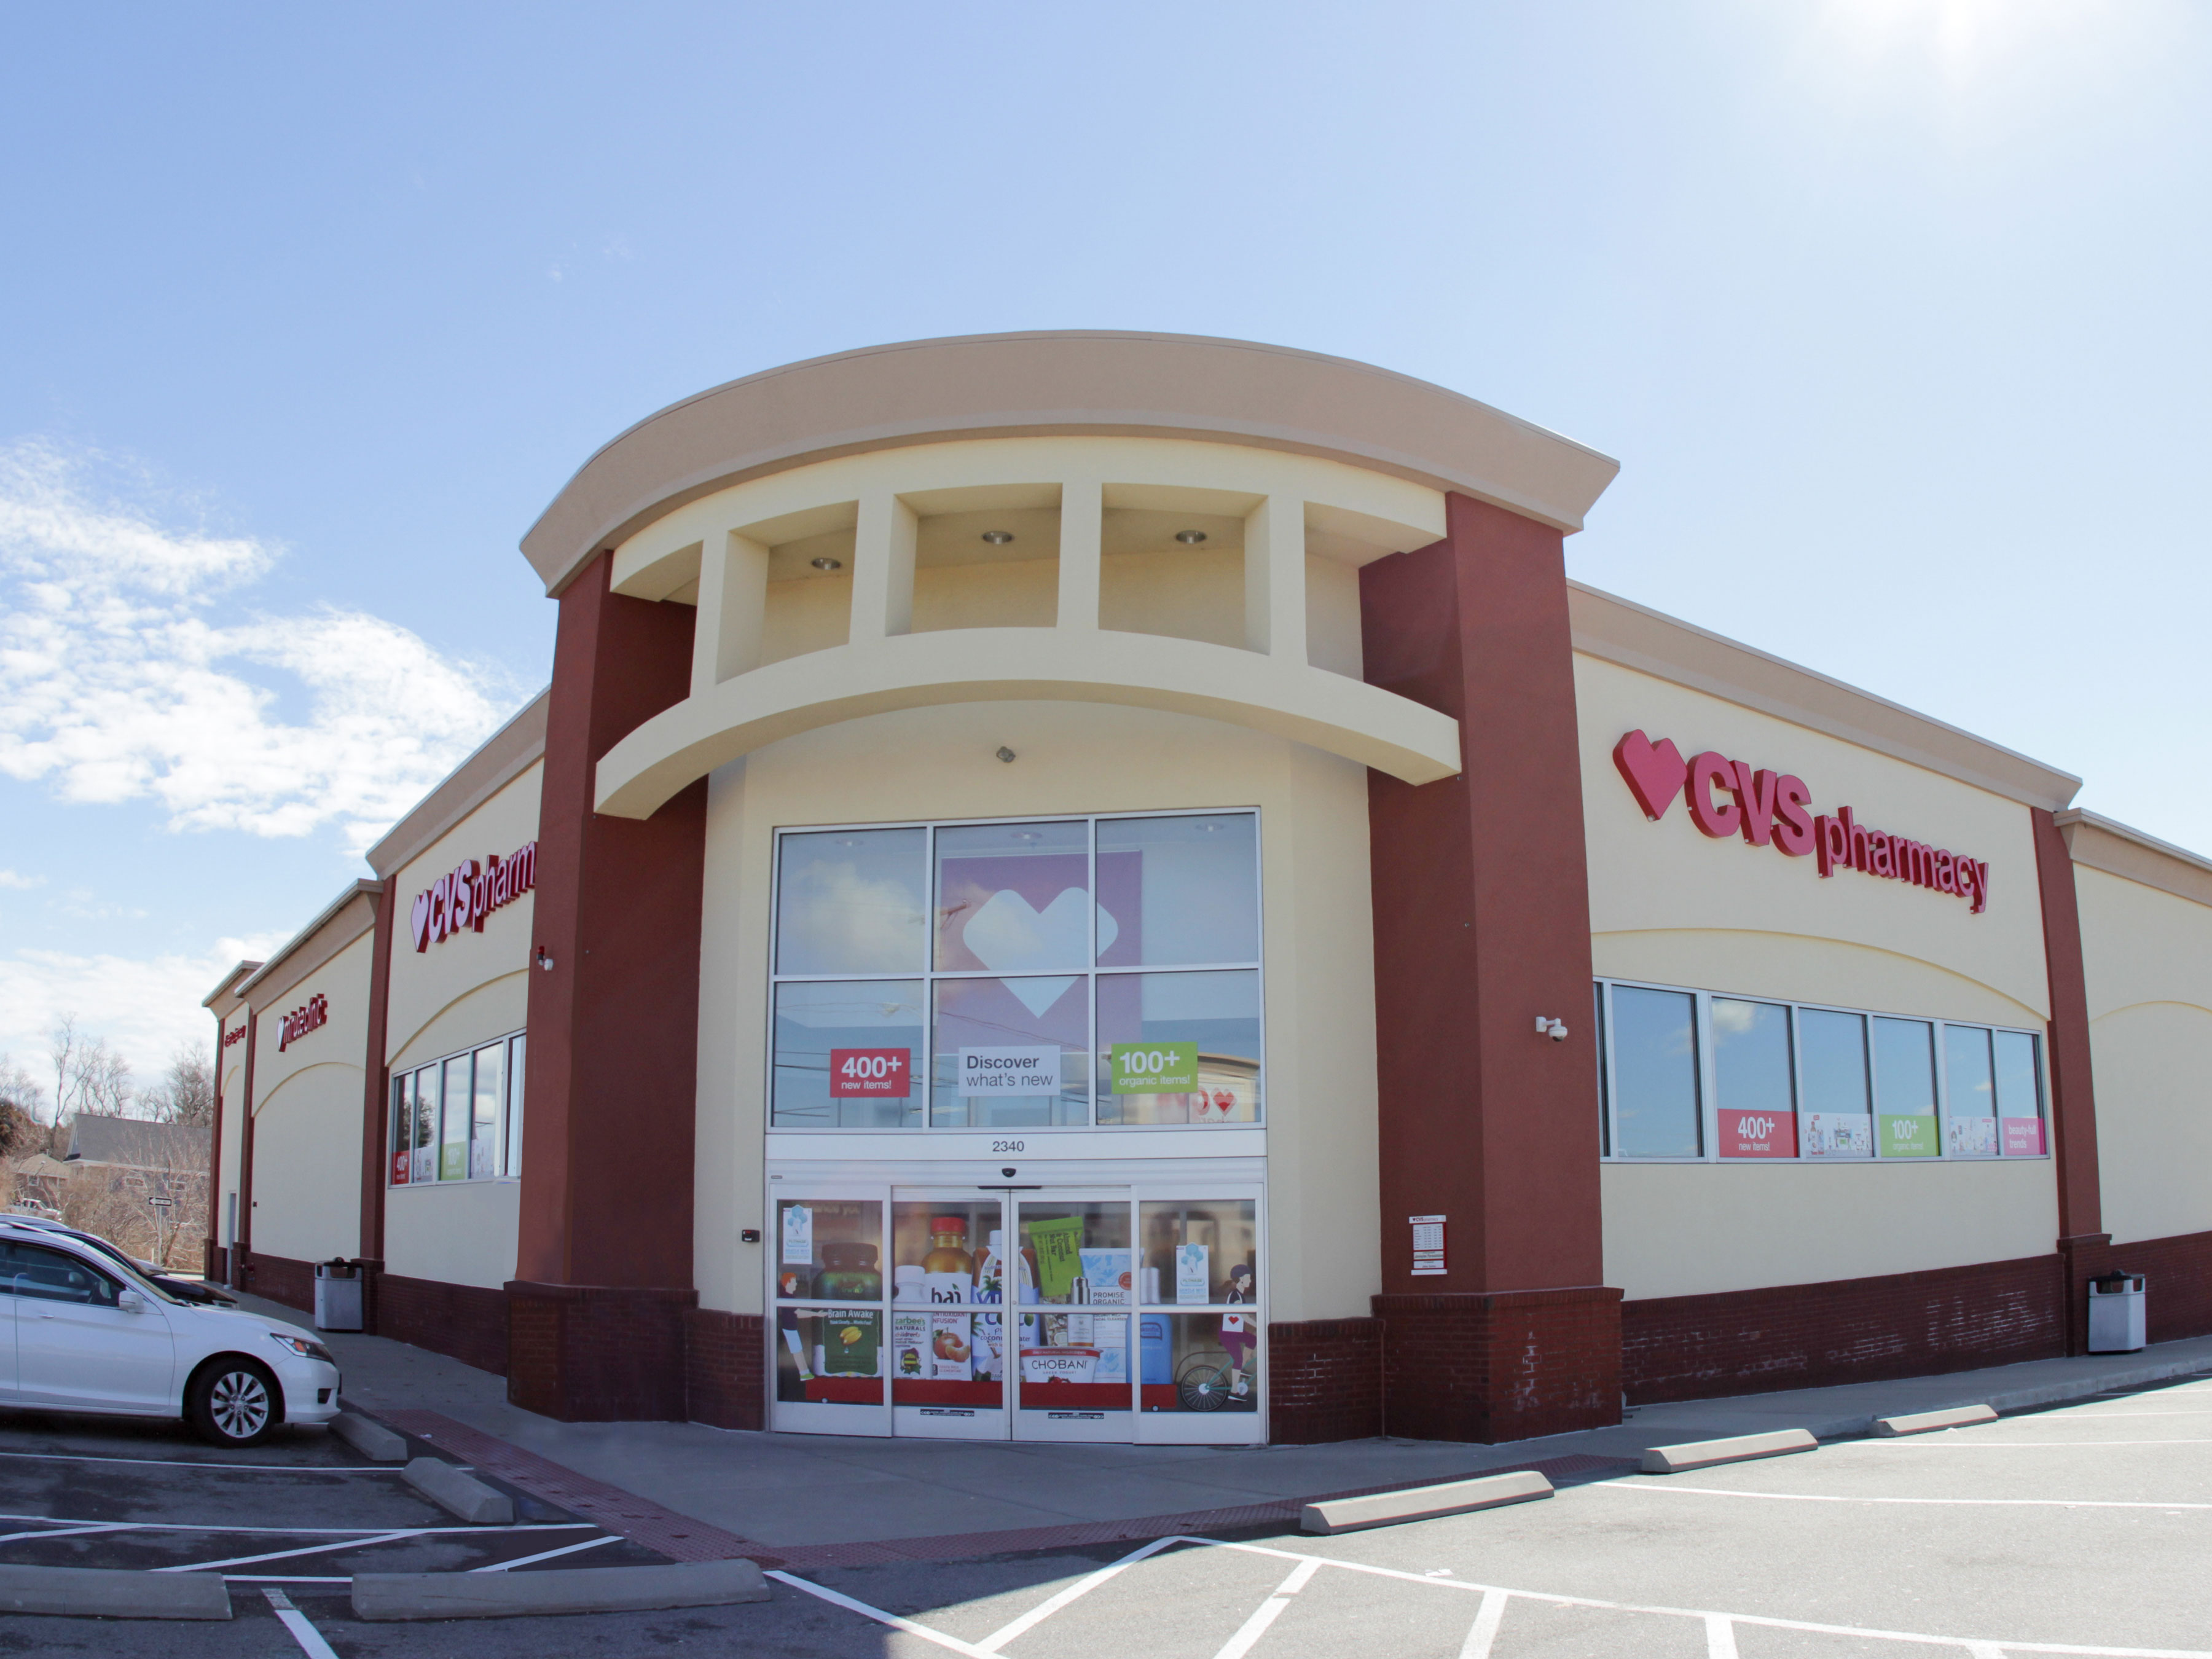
pixel 1009 1174
pixel 1554 1028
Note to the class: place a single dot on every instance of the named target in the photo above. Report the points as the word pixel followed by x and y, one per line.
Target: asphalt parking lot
pixel 2080 1530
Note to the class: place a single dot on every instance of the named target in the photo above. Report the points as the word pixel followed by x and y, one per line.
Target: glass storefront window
pixel 1014 898
pixel 1905 1088
pixel 1183 890
pixel 426 1121
pixel 948 1266
pixel 453 1141
pixel 1969 1095
pixel 1836 1121
pixel 1200 1252
pixel 847 1053
pixel 490 1095
pixel 2020 1093
pixel 1199 1362
pixel 1753 1079
pixel 403 1128
pixel 1012 1053
pixel 1655 1058
pixel 830 1356
pixel 1147 926
pixel 851 902
pixel 1179 1047
pixel 517 1069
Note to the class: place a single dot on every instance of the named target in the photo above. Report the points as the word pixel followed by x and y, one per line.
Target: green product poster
pixel 1154 1068
pixel 848 1343
pixel 453 1162
pixel 1910 1135
pixel 1058 1245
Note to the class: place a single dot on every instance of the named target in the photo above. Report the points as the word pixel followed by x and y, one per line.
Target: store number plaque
pixel 1428 1243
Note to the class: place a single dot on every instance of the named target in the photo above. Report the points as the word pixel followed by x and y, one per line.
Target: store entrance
pixel 1059 1313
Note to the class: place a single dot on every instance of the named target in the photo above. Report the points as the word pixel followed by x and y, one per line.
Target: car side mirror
pixel 131 1302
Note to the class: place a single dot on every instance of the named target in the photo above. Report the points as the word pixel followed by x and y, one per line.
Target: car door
pixel 7 1331
pixel 76 1346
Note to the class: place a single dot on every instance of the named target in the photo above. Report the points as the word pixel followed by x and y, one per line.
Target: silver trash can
pixel 2117 1322
pixel 337 1296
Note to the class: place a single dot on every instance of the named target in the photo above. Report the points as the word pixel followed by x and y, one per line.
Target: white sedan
pixel 84 1334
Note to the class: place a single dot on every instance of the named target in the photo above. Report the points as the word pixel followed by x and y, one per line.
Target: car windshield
pixel 116 1262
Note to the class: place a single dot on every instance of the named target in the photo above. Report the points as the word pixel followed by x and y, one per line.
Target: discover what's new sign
pixel 1010 1070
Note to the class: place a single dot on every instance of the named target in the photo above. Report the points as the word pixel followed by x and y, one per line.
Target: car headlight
pixel 302 1346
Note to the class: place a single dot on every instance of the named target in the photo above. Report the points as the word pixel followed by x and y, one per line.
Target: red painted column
pixel 603 1266
pixel 2082 1242
pixel 241 1246
pixel 1481 901
pixel 208 1246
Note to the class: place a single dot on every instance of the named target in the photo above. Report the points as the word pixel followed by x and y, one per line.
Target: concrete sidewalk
pixel 798 1490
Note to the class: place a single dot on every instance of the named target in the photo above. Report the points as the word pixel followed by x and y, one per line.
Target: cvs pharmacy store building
pixel 1107 887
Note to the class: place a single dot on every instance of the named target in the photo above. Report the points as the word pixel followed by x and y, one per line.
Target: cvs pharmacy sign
pixel 471 892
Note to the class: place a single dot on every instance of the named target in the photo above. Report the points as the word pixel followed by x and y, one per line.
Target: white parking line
pixel 1269 1611
pixel 1656 1488
pixel 547 1555
pixel 294 1532
pixel 309 1639
pixel 999 1638
pixel 284 1555
pixel 1483 1633
pixel 62 1532
pixel 1944 1443
pixel 1719 1627
pixel 881 1617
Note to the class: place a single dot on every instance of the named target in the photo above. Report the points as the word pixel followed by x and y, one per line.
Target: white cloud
pixel 119 678
pixel 143 1007
pixel 22 883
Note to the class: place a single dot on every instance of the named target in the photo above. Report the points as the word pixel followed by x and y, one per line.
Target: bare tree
pixel 186 1093
pixel 100 1079
pixel 61 1045
pixel 20 1096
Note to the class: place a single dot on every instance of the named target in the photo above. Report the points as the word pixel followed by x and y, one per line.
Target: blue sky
pixel 1892 310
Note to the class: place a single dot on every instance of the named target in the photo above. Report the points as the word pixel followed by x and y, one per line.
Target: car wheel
pixel 232 1402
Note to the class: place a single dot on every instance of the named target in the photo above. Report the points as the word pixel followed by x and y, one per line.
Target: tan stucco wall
pixel 232 1152
pixel 427 986
pixel 306 1115
pixel 1670 905
pixel 940 763
pixel 468 990
pixel 1692 1229
pixel 2146 958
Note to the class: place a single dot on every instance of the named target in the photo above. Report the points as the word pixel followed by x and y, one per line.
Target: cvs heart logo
pixel 1653 772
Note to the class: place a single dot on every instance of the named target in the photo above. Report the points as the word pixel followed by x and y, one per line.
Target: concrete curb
pixel 1704 1454
pixel 1955 1417
pixel 396 1595
pixel 458 1494
pixel 372 1440
pixel 106 1593
pixel 1389 1509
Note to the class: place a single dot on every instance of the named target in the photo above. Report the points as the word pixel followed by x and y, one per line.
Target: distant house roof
pixel 137 1143
pixel 39 1164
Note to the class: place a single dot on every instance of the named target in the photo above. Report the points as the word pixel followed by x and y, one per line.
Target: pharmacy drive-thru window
pixel 1016 1074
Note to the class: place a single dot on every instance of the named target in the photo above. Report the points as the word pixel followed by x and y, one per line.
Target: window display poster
pixel 1010 1070
pixel 986 1347
pixel 1193 1274
pixel 1970 1137
pixel 1758 1134
pixel 1154 1068
pixel 1909 1134
pixel 1108 1273
pixel 950 1358
pixel 2023 1137
pixel 909 1345
pixel 870 1073
pixel 798 1235
pixel 1835 1134
pixel 1058 1246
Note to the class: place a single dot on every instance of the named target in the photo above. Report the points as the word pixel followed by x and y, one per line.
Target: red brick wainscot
pixel 724 1366
pixel 466 1322
pixel 1500 1365
pixel 1852 1330
pixel 281 1279
pixel 1324 1381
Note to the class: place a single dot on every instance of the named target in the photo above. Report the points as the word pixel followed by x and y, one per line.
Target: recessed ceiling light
pixel 825 562
pixel 1029 835
pixel 1190 537
pixel 997 538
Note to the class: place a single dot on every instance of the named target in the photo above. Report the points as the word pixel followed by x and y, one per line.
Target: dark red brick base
pixel 281 1279
pixel 2179 1299
pixel 1324 1381
pixel 596 1353
pixel 1502 1366
pixel 465 1322
pixel 723 1369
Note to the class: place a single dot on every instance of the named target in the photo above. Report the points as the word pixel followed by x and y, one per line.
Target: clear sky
pixel 1893 311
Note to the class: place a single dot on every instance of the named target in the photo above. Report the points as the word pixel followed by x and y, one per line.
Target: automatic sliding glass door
pixel 949 1355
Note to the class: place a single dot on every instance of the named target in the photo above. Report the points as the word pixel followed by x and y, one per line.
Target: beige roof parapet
pixel 1088 381
pixel 2102 844
pixel 1635 636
